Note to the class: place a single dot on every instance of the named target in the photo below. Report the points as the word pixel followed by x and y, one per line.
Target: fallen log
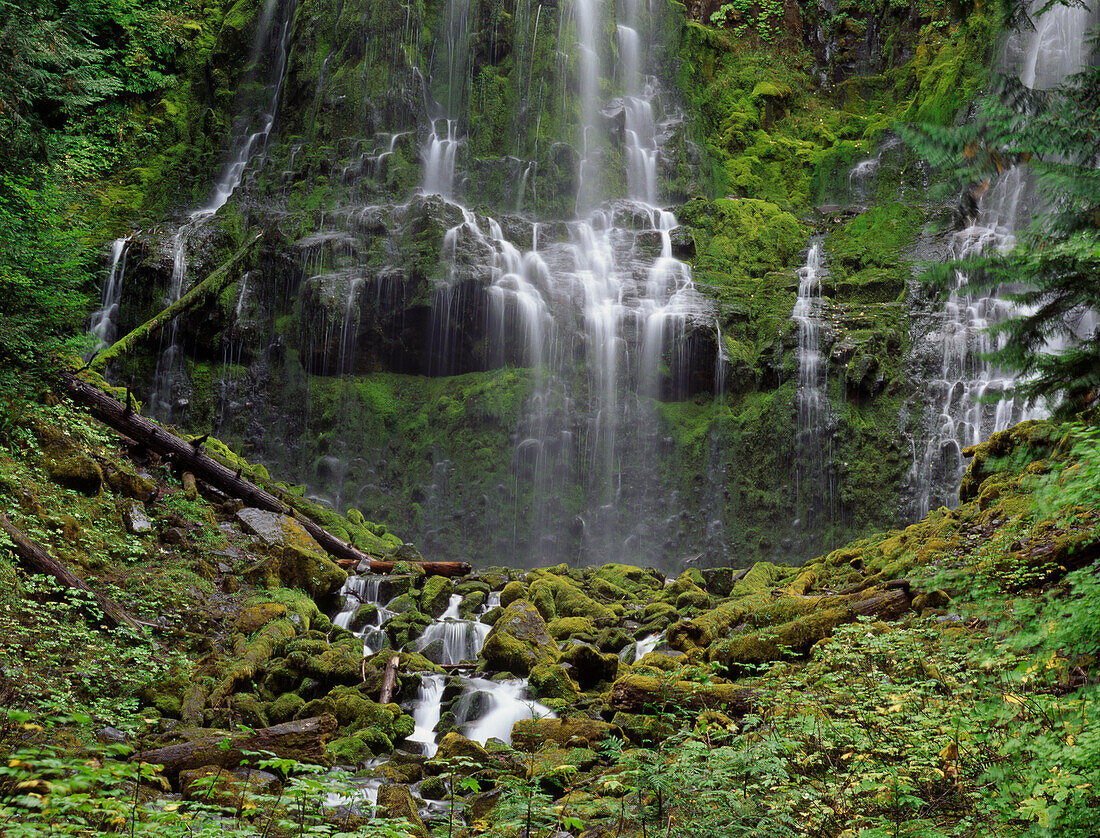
pixel 303 740
pixel 35 555
pixel 213 284
pixel 389 680
pixel 193 459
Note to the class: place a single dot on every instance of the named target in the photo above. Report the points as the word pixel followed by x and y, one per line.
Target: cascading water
pixel 487 709
pixel 459 640
pixel 611 295
pixel 104 321
pixel 964 398
pixel 273 36
pixel 814 479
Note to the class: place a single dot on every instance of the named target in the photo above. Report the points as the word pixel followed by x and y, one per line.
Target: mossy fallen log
pixel 190 457
pixel 38 558
pixel 213 284
pixel 303 740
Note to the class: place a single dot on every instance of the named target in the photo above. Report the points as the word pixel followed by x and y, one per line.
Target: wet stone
pixel 135 519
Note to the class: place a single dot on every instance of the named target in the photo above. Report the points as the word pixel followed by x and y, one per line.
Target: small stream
pixel 483 709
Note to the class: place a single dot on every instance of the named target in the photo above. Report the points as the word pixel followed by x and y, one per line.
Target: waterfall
pixel 814 481
pixel 964 400
pixel 247 145
pixel 602 316
pixel 104 320
pixel 460 640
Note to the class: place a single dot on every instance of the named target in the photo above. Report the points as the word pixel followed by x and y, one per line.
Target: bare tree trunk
pixel 303 740
pixel 389 680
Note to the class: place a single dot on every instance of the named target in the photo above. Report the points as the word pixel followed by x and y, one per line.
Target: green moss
pixel 519 641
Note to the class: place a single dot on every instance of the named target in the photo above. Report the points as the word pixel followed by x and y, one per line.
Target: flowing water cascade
pixel 459 640
pixel 273 37
pixel 610 293
pixel 965 404
pixel 485 709
pixel 815 480
pixel 104 321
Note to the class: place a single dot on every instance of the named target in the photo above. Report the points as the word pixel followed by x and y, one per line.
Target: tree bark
pixel 193 459
pixel 389 680
pixel 213 284
pixel 35 555
pixel 303 740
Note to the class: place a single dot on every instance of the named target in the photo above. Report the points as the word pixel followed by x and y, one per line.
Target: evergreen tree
pixel 1052 273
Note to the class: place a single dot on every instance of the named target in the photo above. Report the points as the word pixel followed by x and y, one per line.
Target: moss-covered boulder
pixel 255 616
pixel 456 746
pixel 513 591
pixel 364 616
pixel 296 557
pixel 436 595
pixel 285 707
pixel 129 484
pixel 551 682
pixel 557 596
pixel 519 641
pixel 589 665
pixel 576 731
pixel 565 627
pixel 76 471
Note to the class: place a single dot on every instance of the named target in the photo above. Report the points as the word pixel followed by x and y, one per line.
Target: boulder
pixel 519 641
pixel 577 731
pixel 77 472
pixel 590 665
pixel 135 518
pixel 302 562
pixel 436 595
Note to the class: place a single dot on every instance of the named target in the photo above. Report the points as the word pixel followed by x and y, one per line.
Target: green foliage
pixel 66 791
pixel 77 662
pixel 43 273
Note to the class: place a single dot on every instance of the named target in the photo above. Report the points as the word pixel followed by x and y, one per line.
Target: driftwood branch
pixel 389 680
pixel 35 555
pixel 303 740
pixel 188 458
pixel 213 284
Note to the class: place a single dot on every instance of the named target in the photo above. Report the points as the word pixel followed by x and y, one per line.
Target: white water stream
pixel 488 708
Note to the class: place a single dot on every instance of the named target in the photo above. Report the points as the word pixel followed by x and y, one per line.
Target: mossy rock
pixel 358 748
pixel 131 485
pixel 575 731
pixel 454 745
pixel 436 595
pixel 566 627
pixel 77 472
pixel 472 603
pixel 433 788
pixel 512 591
pixel 285 707
pixel 354 711
pixel 255 617
pixel 555 596
pixel 551 681
pixel 519 641
pixel 338 664
pixel 589 665
pixel 693 598
pixel 403 628
pixel 777 642
pixel 364 616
